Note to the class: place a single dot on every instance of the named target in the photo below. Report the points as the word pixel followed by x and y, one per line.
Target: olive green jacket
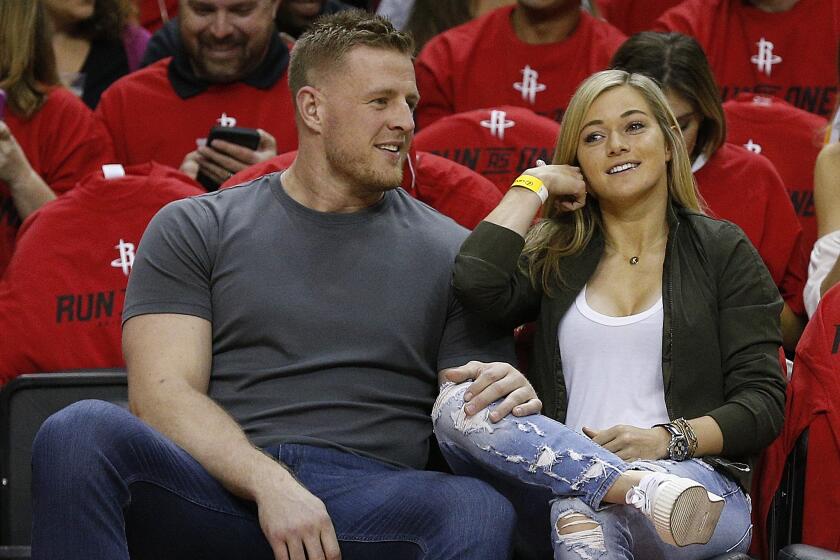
pixel 721 330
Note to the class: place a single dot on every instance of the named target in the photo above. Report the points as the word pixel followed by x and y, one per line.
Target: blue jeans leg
pixel 105 484
pixel 542 455
pixel 535 450
pixel 626 533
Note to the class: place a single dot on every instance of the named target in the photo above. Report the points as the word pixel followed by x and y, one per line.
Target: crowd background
pixel 141 84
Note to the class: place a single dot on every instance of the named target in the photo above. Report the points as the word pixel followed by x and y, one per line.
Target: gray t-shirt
pixel 328 329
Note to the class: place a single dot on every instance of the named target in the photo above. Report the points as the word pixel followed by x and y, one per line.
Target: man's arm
pixel 169 362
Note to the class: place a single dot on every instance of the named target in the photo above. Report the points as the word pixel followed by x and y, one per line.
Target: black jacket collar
pixel 186 84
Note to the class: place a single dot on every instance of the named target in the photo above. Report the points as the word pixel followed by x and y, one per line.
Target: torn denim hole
pixel 530 427
pixel 447 391
pixel 586 543
pixel 597 469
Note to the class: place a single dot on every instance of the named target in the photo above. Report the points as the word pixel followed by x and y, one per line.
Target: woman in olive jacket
pixel 657 336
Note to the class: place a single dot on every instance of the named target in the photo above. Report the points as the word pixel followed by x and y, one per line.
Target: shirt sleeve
pixel 749 307
pixel 82 147
pixel 435 82
pixel 173 267
pixel 489 281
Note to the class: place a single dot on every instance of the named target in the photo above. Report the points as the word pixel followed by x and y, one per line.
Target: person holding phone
pixel 230 70
pixel 656 345
pixel 48 138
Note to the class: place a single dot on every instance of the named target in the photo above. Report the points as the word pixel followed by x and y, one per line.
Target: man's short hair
pixel 324 45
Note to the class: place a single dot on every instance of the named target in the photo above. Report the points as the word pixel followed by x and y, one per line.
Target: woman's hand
pixel 631 443
pixel 565 182
pixel 13 163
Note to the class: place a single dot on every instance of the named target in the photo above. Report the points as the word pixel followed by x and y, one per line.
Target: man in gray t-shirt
pixel 285 340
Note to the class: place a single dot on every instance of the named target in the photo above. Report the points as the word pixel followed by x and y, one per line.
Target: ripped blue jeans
pixel 553 475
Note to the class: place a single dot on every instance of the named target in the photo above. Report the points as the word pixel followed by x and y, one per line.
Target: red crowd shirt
pixel 63 293
pixel 450 188
pixel 812 403
pixel 497 143
pixel 790 138
pixel 745 189
pixel 633 16
pixel 63 142
pixel 152 14
pixel 483 63
pixel 791 55
pixel 149 121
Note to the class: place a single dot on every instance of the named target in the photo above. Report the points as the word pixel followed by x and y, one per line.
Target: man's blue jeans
pixel 105 484
pixel 550 472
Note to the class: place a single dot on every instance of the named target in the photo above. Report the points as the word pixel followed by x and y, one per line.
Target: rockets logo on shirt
pixel 752 146
pixel 126 259
pixel 497 123
pixel 530 85
pixel 226 120
pixel 765 59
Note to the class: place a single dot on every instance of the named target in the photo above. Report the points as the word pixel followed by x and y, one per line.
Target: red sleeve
pixel 435 81
pixel 782 242
pixel 81 144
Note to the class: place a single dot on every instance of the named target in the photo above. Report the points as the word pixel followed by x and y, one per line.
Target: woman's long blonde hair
pixel 27 62
pixel 561 234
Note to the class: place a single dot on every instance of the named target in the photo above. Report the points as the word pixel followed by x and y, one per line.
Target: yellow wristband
pixel 533 184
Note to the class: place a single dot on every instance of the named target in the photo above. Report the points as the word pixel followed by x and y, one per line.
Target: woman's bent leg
pixel 534 450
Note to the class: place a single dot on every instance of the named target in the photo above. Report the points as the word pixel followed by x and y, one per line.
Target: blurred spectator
pixel 531 55
pixel 824 268
pixel 783 48
pixel 49 139
pixel 95 44
pixel 450 188
pixel 62 295
pixel 498 143
pixel 790 138
pixel 432 17
pixel 293 17
pixel 813 404
pixel 154 13
pixel 737 184
pixel 633 16
pixel 230 71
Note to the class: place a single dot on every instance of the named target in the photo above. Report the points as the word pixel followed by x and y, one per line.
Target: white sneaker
pixel 682 510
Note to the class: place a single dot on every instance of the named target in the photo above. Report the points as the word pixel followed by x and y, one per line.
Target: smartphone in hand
pixel 247 137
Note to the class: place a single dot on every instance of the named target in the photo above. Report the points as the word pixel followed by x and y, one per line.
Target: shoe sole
pixel 686 513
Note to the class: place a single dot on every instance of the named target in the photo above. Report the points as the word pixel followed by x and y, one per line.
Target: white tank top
pixel 612 367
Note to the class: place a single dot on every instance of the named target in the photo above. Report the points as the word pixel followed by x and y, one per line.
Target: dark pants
pixel 106 485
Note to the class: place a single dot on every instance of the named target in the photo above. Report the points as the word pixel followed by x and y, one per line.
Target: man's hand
pixel 631 443
pixel 492 382
pixel 296 523
pixel 222 160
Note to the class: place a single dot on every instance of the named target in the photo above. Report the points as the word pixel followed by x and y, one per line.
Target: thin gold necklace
pixel 634 259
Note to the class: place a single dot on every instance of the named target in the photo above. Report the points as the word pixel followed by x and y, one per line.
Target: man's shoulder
pixel 477 31
pixel 424 218
pixel 151 80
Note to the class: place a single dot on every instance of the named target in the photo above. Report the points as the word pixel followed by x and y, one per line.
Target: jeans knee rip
pixel 587 543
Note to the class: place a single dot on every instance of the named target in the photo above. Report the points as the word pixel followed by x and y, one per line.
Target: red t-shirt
pixel 449 188
pixel 790 138
pixel 791 55
pixel 151 14
pixel 745 189
pixel 483 63
pixel 63 142
pixel 62 295
pixel 633 16
pixel 813 403
pixel 497 143
pixel 150 122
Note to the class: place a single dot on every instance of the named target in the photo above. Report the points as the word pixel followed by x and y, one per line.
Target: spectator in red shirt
pixel 48 138
pixel 737 185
